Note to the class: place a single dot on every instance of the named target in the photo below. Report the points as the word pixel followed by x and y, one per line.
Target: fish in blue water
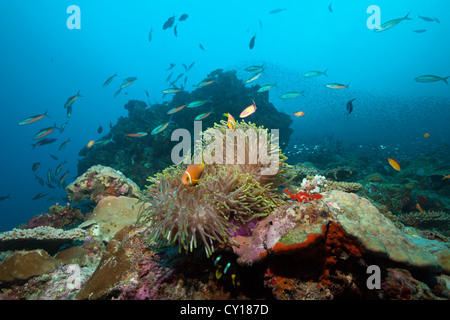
pixel 72 99
pixel 430 78
pixel 4 197
pixel 391 23
pixel 169 23
pixel 251 45
pixel 183 17
pixel 44 132
pixel 32 119
pixel 350 106
pixel 44 142
pixel 64 144
pixel 108 81
pixel 40 195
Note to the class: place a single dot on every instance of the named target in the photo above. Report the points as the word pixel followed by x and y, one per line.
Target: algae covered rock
pixel 99 182
pixel 362 229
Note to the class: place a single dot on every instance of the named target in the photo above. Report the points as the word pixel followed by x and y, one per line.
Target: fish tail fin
pixel 445 80
pixel 406 17
pixel 325 73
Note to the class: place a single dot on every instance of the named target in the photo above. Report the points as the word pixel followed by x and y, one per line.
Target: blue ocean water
pixel 43 63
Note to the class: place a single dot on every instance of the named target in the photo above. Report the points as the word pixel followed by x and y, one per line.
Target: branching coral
pixel 430 220
pixel 227 200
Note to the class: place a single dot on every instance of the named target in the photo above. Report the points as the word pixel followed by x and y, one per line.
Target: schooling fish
pixel 254 77
pixel 290 95
pixel 350 106
pixel 128 81
pixel 171 90
pixel 63 126
pixel 69 111
pixel 252 42
pixel 62 179
pixel 160 128
pixel 169 23
pixel 40 195
pixel 44 132
pixel 420 31
pixel 426 19
pixel 192 174
pixel 254 68
pixel 394 164
pixel 108 81
pixel 197 103
pixel 35 166
pixel 311 74
pixel 191 65
pixel 150 35
pixel 201 47
pixel 183 17
pixel 32 119
pixel 71 100
pixel 54 157
pixel 391 23
pixel 329 7
pixel 430 78
pixel 136 135
pixel 44 142
pixel 266 87
pixel 202 116
pixel 4 197
pixel 39 179
pixel 63 145
pixel 171 111
pixel 336 86
pixel 249 110
pixel 205 83
pixel 59 167
pixel 277 11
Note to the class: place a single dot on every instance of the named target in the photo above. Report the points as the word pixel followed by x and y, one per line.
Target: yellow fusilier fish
pixel 337 86
pixel 391 23
pixel 173 110
pixel 202 116
pixel 32 119
pixel 248 111
pixel 136 135
pixel 71 100
pixel 254 77
pixel 192 174
pixel 160 128
pixel 290 95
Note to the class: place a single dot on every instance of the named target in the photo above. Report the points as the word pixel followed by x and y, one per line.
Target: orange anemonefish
pixel 231 123
pixel 394 164
pixel 192 174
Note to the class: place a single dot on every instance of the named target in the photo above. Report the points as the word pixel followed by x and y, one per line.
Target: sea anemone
pixel 227 199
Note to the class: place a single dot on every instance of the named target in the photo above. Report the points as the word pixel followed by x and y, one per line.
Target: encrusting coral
pixel 229 199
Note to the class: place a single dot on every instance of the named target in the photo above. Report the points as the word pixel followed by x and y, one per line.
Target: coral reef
pixel 58 217
pixel 100 182
pixel 225 201
pixel 428 220
pixel 110 215
pixel 23 265
pixel 139 158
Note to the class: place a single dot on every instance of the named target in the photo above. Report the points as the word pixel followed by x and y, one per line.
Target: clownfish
pixel 192 174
